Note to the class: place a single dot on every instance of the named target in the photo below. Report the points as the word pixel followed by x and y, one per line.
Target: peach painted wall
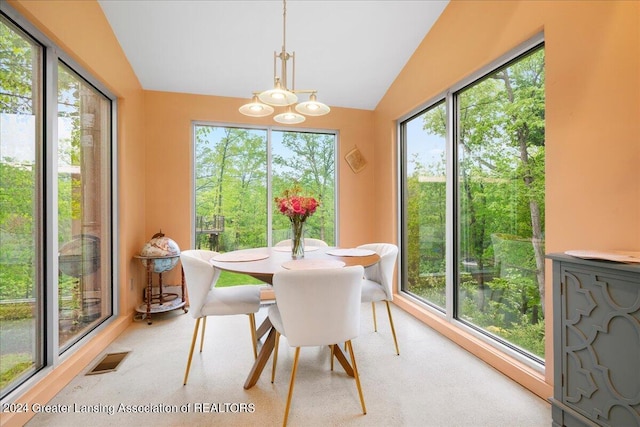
pixel 82 31
pixel 592 115
pixel 169 183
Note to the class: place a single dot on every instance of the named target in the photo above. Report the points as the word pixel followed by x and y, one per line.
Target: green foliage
pixel 230 176
pixel 308 160
pixel 16 55
pixel 500 190
pixel 527 336
pixel 504 308
pixel 426 212
pixel 12 365
pixel 17 228
pixel 16 311
pixel 231 180
pixel 430 287
pixel 233 279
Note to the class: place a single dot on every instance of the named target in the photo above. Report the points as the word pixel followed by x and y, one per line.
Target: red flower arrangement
pixel 298 208
pixel 295 206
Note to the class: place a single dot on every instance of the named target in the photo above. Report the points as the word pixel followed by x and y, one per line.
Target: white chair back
pixel 382 272
pixel 319 307
pixel 308 241
pixel 200 276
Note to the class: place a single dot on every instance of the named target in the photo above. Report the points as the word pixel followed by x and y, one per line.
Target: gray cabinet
pixel 596 326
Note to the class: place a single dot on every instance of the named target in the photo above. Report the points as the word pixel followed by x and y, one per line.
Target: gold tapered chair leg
pixel 393 330
pixel 332 347
pixel 375 323
pixel 356 376
pixel 254 339
pixel 275 357
pixel 193 344
pixel 204 326
pixel 293 379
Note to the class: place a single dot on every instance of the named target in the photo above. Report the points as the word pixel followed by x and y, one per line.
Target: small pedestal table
pixel 162 301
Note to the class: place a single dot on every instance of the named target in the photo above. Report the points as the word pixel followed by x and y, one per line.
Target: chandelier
pixel 262 103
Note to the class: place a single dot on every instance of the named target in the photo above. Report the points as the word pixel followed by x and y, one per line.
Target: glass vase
pixel 297 239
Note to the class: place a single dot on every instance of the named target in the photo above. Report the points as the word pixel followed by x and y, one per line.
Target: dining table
pixel 263 263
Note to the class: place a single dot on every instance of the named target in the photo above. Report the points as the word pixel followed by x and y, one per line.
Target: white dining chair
pixel 316 308
pixel 207 300
pixel 308 241
pixel 378 283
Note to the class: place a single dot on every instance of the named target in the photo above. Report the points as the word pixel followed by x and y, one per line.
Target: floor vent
pixel 108 363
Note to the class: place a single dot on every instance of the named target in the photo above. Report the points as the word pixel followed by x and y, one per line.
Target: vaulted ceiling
pixel 350 51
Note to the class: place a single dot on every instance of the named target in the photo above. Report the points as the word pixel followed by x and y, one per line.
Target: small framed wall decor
pixel 356 160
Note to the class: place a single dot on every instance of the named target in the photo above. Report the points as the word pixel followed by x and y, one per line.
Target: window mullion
pixel 51 207
pixel 451 206
pixel 269 189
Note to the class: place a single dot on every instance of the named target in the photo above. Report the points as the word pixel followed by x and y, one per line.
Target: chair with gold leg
pixel 207 300
pixel 378 282
pixel 316 308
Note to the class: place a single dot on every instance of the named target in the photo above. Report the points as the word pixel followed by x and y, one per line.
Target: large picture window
pixel 425 211
pixel 238 173
pixel 481 148
pixel 56 192
pixel 84 214
pixel 21 262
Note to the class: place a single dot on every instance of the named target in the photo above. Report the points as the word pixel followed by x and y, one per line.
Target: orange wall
pixel 169 183
pixel 592 119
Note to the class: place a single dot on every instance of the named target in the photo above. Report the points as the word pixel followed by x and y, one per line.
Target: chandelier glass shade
pixel 281 96
pixel 256 108
pixel 278 96
pixel 289 117
pixel 312 107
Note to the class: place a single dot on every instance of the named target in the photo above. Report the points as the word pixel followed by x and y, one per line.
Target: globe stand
pixel 162 301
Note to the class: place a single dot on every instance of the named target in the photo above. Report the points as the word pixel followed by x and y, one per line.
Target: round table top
pixel 263 263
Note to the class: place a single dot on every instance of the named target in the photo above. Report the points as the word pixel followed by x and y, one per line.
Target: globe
pixel 161 246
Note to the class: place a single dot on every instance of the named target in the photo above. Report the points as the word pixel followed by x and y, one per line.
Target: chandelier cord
pixel 284 26
pixel 284 55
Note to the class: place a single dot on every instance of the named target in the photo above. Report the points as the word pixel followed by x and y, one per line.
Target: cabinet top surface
pixel 631 267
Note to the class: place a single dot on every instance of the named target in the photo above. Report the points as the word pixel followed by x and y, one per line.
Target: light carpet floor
pixel 432 383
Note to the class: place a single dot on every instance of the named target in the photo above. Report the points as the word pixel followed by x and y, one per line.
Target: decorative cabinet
pixel 596 326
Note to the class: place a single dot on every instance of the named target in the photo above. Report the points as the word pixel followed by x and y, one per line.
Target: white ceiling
pixel 350 51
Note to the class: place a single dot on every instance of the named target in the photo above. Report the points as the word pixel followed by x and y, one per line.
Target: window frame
pixel 47 194
pixel 269 129
pixel 448 96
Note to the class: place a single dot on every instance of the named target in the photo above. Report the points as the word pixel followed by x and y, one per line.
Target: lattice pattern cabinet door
pixel 596 325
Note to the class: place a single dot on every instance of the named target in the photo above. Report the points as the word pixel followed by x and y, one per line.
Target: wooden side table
pixel 162 301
